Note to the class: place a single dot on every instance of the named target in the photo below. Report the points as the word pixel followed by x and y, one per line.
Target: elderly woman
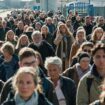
pixel 27 89
pixel 64 87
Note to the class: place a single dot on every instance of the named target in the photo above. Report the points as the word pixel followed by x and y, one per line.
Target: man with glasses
pixel 88 88
pixel 27 57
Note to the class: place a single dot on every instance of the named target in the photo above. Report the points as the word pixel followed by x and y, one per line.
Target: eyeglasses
pixel 29 63
pixel 85 50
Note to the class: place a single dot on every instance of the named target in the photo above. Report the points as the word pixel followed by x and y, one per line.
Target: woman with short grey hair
pixel 65 89
pixel 53 60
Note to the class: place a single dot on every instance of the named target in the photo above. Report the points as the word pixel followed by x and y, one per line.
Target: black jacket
pixel 69 90
pixel 45 49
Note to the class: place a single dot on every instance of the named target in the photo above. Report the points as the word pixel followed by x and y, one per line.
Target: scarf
pixel 32 101
pixel 80 72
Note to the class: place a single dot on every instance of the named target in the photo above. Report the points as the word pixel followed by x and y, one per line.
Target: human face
pixel 101 20
pixel 87 49
pixel 29 61
pixel 62 29
pixel 11 35
pixel 54 72
pixel 44 30
pixel 6 54
pixel 80 36
pixel 25 85
pixel 99 60
pixel 37 38
pixel 99 34
pixel 84 63
pixel 24 40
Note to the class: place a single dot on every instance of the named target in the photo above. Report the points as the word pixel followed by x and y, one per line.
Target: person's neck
pixel 101 72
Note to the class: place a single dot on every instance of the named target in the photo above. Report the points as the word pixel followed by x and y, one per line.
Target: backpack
pixel 89 83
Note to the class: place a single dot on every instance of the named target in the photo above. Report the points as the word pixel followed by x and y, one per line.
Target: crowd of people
pixel 50 59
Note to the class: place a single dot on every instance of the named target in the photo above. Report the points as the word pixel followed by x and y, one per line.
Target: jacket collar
pixel 94 71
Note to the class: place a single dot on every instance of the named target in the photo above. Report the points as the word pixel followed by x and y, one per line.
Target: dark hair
pixel 98 46
pixel 26 52
pixel 82 55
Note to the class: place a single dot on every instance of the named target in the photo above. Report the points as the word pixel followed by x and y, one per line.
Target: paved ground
pixel 4 13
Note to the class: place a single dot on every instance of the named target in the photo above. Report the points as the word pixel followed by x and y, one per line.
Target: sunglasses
pixel 85 50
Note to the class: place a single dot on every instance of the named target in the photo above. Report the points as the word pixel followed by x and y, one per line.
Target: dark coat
pixel 8 69
pixel 72 73
pixel 3 33
pixel 69 90
pixel 45 49
pixel 1 85
pixel 88 28
pixel 41 101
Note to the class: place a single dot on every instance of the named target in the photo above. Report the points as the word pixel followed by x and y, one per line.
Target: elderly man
pixel 43 47
pixel 64 87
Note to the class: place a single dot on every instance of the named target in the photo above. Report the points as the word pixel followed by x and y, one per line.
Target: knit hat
pixel 83 55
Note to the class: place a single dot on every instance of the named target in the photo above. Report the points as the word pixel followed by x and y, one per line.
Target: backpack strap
pixel 89 83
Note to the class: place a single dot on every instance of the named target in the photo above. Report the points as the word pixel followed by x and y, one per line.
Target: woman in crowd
pixel 23 41
pixel 65 89
pixel 77 71
pixel 63 41
pixel 27 89
pixel 80 38
pixel 40 62
pixel 8 61
pixel 11 37
pixel 47 36
pixel 96 35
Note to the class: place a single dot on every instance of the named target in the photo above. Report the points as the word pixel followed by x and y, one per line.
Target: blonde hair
pixel 94 35
pixel 44 26
pixel 27 70
pixel 19 41
pixel 67 32
pixel 8 33
pixel 81 30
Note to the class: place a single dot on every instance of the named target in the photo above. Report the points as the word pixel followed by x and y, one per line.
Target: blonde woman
pixel 23 41
pixel 63 41
pixel 97 34
pixel 11 37
pixel 27 89
pixel 80 38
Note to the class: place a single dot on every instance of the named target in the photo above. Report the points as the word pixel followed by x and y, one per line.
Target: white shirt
pixel 59 93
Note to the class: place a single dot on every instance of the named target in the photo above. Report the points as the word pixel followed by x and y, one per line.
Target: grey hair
pixel 36 33
pixel 53 60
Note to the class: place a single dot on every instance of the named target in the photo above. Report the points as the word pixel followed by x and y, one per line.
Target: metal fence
pixel 99 11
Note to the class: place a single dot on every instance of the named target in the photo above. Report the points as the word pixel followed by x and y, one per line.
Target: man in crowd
pixel 27 57
pixel 88 87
